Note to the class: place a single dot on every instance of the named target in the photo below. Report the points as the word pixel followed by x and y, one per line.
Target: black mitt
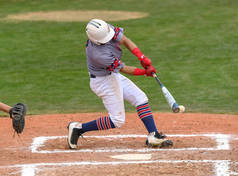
pixel 17 113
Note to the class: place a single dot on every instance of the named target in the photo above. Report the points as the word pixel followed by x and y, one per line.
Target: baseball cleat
pixel 156 139
pixel 75 130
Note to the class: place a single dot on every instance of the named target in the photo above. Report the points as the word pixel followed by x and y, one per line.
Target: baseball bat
pixel 170 99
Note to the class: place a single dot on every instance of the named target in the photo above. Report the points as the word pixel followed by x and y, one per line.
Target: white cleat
pixel 75 130
pixel 156 139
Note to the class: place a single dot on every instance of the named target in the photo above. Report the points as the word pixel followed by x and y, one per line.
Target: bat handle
pixel 157 79
pixel 154 74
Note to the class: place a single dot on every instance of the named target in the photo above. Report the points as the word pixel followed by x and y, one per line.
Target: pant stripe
pixel 144 111
pixel 140 109
pixel 108 122
pixel 146 116
pixel 103 123
pixel 98 124
pixel 142 106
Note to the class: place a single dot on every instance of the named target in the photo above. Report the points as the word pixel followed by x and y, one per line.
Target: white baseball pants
pixel 113 89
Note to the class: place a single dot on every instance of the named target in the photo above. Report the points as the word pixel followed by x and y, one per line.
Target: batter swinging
pixel 104 54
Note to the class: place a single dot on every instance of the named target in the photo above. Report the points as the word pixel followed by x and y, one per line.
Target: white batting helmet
pixel 99 32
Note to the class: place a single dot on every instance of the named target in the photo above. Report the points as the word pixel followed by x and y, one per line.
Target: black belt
pixel 92 76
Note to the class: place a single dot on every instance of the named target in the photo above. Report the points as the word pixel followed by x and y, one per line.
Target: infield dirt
pixel 16 150
pixel 77 15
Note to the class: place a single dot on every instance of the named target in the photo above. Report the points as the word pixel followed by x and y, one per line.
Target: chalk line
pixel 222 141
pixel 221 166
pixel 142 150
pixel 28 170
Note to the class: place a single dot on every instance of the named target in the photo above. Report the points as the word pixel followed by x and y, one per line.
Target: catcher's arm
pixel 4 107
pixel 17 113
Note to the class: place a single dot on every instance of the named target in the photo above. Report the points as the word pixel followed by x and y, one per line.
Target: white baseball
pixel 181 108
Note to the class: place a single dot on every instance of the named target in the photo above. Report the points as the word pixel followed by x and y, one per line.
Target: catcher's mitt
pixel 17 113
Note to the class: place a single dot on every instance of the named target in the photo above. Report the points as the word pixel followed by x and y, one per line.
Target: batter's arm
pixel 130 45
pixel 128 70
pixel 132 70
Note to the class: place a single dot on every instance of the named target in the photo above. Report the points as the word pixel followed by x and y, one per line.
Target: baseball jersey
pixel 106 58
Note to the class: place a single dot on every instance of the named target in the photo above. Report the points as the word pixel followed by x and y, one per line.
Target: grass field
pixel 193 44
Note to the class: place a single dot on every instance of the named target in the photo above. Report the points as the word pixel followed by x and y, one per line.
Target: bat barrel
pixel 170 99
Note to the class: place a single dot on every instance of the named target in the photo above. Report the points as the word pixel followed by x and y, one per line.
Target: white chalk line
pixel 142 150
pixel 28 170
pixel 222 141
pixel 221 167
pixel 233 173
pixel 115 163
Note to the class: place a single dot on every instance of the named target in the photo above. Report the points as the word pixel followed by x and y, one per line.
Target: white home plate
pixel 133 156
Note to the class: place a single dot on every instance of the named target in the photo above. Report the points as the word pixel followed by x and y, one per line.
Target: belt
pixel 92 76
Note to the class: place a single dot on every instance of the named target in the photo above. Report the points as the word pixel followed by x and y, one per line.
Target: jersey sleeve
pixel 119 32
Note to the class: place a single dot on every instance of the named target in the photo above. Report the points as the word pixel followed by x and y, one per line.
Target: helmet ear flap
pixel 99 32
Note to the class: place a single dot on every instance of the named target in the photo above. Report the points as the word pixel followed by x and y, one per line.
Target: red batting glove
pixel 139 71
pixel 145 62
pixel 150 70
pixel 137 53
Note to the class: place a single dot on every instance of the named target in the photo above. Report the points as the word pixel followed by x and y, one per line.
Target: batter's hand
pixel 145 62
pixel 150 70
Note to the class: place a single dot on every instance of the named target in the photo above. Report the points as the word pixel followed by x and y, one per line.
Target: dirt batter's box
pixel 222 141
pixel 221 167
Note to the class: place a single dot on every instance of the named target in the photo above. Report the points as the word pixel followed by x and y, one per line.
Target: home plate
pixel 132 156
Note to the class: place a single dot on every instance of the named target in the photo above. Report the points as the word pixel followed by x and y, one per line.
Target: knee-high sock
pixel 102 123
pixel 146 116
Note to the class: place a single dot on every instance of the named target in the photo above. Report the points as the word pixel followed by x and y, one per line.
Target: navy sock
pixel 146 116
pixel 103 123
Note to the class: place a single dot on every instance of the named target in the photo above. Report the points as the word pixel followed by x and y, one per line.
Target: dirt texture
pixel 195 151
pixel 77 15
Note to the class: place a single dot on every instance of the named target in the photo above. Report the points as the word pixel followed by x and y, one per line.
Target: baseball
pixel 181 108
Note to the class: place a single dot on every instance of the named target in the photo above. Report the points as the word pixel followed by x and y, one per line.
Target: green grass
pixel 193 44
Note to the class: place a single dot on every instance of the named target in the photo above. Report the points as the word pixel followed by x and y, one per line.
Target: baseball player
pixel 104 52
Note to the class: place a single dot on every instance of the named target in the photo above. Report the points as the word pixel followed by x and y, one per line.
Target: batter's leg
pixel 137 97
pixel 109 90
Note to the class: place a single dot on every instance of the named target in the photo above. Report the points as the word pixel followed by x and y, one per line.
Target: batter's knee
pixel 141 99
pixel 118 121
